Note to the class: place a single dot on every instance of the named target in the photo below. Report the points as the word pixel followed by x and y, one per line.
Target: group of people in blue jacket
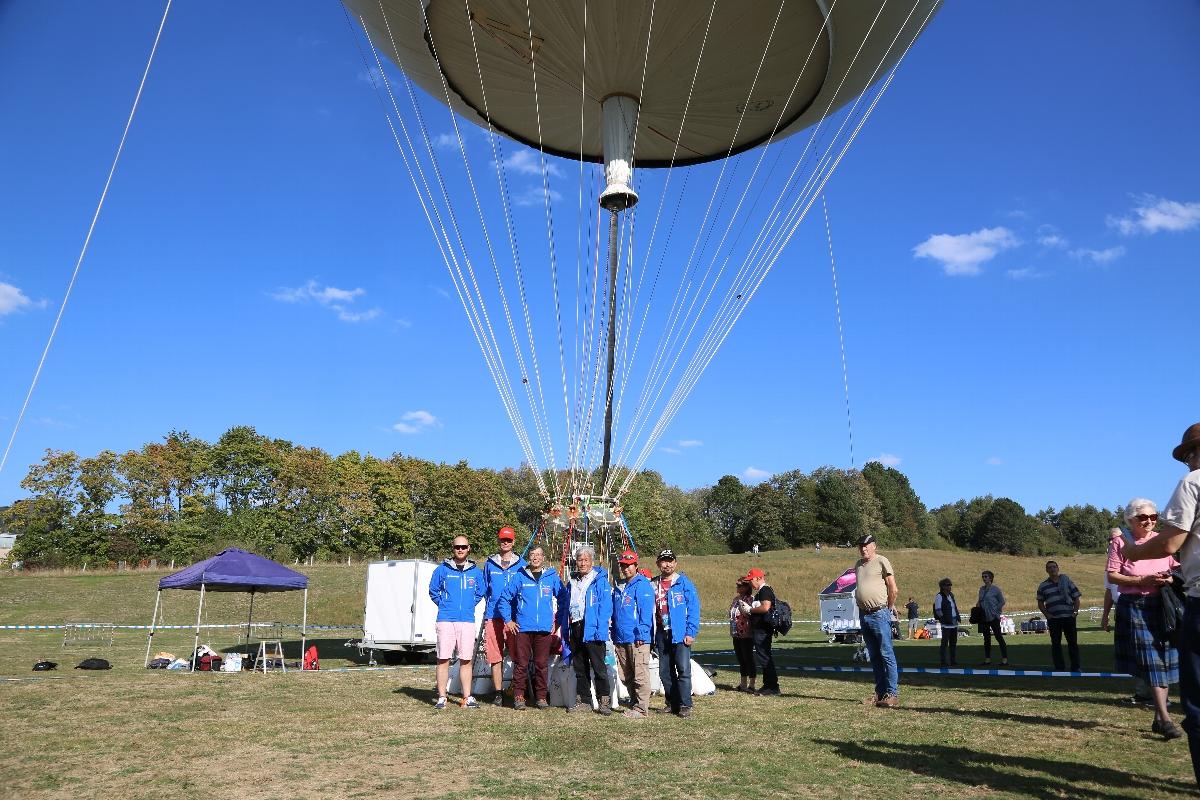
pixel 531 611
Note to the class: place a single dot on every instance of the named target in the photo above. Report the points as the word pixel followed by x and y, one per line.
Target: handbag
pixel 976 617
pixel 1171 605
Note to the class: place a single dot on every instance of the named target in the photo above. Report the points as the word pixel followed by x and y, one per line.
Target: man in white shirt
pixel 1180 533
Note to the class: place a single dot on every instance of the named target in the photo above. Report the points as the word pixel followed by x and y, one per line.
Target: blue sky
pixel 1016 233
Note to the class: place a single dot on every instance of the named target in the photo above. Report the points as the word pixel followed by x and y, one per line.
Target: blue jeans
pixel 877 634
pixel 1189 678
pixel 675 670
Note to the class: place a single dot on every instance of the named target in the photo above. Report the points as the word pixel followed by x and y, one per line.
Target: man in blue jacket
pixel 677 612
pixel 585 613
pixel 632 632
pixel 456 588
pixel 498 571
pixel 527 609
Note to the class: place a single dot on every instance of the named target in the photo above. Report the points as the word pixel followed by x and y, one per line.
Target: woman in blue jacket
pixel 527 608
pixel 585 611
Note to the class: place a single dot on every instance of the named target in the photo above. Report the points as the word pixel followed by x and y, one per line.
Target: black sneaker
pixel 498 699
pixel 771 692
pixel 685 712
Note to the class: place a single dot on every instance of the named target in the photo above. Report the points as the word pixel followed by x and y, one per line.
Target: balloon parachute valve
pixel 618 115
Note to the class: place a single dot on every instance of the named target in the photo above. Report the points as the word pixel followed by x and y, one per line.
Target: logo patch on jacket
pixel 468 583
pixel 546 591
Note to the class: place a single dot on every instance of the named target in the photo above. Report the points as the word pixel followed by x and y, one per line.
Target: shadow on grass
pixel 1005 716
pixel 1023 775
pixel 424 696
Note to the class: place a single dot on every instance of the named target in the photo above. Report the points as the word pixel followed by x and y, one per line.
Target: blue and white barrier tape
pixel 995 673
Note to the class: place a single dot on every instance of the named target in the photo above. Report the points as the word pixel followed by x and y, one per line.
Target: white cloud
pixel 1024 274
pixel 13 300
pixel 993 461
pixel 336 300
pixel 525 162
pixel 534 196
pixel 888 459
pixel 416 422
pixel 755 474
pixel 1099 256
pixel 447 141
pixel 689 443
pixel 371 76
pixel 1154 214
pixel 673 451
pixel 962 254
pixel 1053 240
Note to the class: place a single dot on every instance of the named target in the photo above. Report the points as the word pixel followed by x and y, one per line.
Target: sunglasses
pixel 462 547
pixel 1147 517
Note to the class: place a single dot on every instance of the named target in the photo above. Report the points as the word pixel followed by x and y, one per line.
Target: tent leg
pixel 196 643
pixel 249 618
pixel 304 629
pixel 153 622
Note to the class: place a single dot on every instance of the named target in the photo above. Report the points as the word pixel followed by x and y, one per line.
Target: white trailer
pixel 399 618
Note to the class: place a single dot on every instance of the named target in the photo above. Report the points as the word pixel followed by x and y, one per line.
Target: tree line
pixel 184 499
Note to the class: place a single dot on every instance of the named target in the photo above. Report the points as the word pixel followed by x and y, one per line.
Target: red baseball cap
pixel 507 534
pixel 628 557
pixel 755 573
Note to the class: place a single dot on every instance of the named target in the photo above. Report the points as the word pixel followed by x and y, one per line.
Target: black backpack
pixel 93 663
pixel 781 617
pixel 45 666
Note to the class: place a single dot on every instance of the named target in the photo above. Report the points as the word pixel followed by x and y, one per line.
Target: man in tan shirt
pixel 876 593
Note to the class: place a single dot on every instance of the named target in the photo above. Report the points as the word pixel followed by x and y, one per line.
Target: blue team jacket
pixel 633 611
pixel 497 579
pixel 683 608
pixel 531 601
pixel 597 608
pixel 456 591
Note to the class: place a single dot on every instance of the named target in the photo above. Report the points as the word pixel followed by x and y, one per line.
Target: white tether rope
pixel 87 239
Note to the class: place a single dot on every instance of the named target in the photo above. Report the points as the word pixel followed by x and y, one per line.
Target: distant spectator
pixel 1058 598
pixel 991 604
pixel 1142 646
pixel 914 613
pixel 876 597
pixel 945 610
pixel 762 629
pixel 741 630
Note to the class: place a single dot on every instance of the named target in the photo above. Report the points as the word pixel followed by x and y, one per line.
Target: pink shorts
pixel 458 636
pixel 493 629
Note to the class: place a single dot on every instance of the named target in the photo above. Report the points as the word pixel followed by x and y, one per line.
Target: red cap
pixel 628 557
pixel 755 573
pixel 507 534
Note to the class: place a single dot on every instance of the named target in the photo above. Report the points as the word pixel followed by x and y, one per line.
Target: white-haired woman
pixel 1142 649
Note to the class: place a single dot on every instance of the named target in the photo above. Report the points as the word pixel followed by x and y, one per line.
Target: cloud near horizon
pixel 755 475
pixel 887 459
pixel 1153 214
pixel 1105 256
pixel 964 253
pixel 417 421
pixel 336 300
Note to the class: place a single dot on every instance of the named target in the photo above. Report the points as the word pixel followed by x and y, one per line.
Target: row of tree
pixel 185 498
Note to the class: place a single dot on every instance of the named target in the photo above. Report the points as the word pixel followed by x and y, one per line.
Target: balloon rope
pixel 87 239
pixel 562 359
pixel 433 217
pixel 837 306
pixel 824 171
pixel 575 421
pixel 540 420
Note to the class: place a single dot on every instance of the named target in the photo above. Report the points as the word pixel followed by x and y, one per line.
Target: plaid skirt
pixel 1141 648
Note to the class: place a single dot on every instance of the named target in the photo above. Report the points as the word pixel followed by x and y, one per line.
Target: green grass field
pixel 134 733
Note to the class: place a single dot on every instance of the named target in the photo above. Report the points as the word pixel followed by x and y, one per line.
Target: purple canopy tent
pixel 232 570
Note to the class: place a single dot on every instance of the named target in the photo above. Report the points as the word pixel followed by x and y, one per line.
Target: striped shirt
pixel 1058 597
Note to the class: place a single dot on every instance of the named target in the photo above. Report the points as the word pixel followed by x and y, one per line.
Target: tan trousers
pixel 633 670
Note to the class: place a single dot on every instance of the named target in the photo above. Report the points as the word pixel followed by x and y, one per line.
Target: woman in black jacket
pixel 945 610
